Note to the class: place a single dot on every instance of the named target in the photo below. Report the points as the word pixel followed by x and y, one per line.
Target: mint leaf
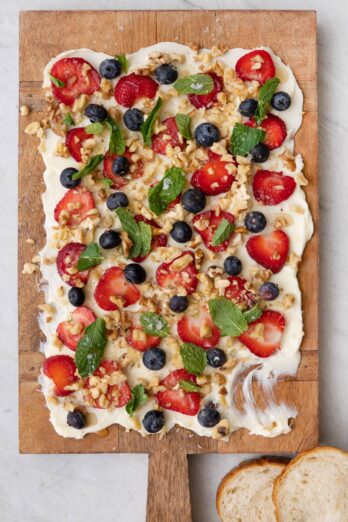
pixel 154 324
pixel 117 143
pixel 265 95
pixel 139 233
pixel 89 257
pixel 107 182
pixel 139 397
pixel 189 386
pixel 253 314
pixel 227 317
pixel 89 167
pixel 195 84
pixel 95 128
pixel 193 357
pixel 223 232
pixel 56 81
pixel 68 120
pixel 123 61
pixel 245 138
pixel 166 190
pixel 148 125
pixel 90 349
pixel 183 122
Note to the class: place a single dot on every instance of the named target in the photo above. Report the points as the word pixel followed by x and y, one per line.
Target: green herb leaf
pixel 223 232
pixel 117 143
pixel 189 386
pixel 139 233
pixel 56 81
pixel 95 128
pixel 154 324
pixel 107 182
pixel 148 125
pixel 123 61
pixel 89 167
pixel 193 357
pixel 68 120
pixel 227 317
pixel 89 257
pixel 90 349
pixel 265 95
pixel 139 397
pixel 245 138
pixel 166 190
pixel 183 122
pixel 195 84
pixel 253 314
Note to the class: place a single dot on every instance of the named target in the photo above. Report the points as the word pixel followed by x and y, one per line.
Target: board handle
pixel 168 493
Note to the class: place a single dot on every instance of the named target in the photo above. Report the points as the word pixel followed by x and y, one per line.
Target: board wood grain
pixel 292 35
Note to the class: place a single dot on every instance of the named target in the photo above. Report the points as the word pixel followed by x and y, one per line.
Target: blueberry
pixel 76 419
pixel 216 357
pixel 208 416
pixel 76 296
pixel 248 107
pixel 260 153
pixel 154 358
pixel 178 303
pixel 110 68
pixel 181 232
pixel 120 166
pixel 281 101
pixel 206 134
pixel 133 119
pixel 255 221
pixel 116 200
pixel 232 265
pixel 96 112
pixel 269 291
pixel 134 273
pixel 153 421
pixel 110 239
pixel 166 74
pixel 193 200
pixel 66 178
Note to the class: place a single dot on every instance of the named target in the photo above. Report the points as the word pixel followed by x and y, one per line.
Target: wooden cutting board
pixel 292 35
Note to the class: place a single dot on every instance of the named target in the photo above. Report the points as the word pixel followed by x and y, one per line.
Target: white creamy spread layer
pixel 274 419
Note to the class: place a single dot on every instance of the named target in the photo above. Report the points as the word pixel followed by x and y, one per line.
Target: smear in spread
pixel 175 223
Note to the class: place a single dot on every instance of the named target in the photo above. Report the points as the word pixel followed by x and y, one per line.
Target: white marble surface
pixel 113 487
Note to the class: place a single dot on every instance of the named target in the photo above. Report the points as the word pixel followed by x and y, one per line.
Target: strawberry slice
pixel 269 250
pixel 141 341
pixel 76 203
pixel 274 128
pixel 74 141
pixel 78 76
pixel 239 293
pixel 271 188
pixel 206 224
pixel 70 332
pixel 180 272
pixel 67 259
pixel 132 87
pixel 136 169
pixel 61 369
pixel 256 65
pixel 169 136
pixel 114 284
pixel 178 399
pixel 158 240
pixel 199 330
pixel 213 178
pixel 207 100
pixel 116 395
pixel 263 335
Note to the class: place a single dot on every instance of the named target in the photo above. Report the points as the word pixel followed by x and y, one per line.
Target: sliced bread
pixel 313 487
pixel 245 493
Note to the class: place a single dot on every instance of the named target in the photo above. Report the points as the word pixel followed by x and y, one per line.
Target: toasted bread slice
pixel 245 493
pixel 313 487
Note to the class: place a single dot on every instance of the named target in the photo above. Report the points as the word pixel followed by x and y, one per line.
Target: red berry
pixel 78 76
pixel 179 400
pixel 269 250
pixel 139 340
pixel 114 284
pixel 271 188
pixel 136 169
pixel 274 128
pixel 61 369
pixel 169 136
pixel 76 203
pixel 206 224
pixel 170 275
pixel 67 259
pixel 116 395
pixel 247 67
pixel 213 178
pixel 239 293
pixel 207 100
pixel 74 141
pixel 199 330
pixel 80 316
pixel 134 86
pixel 268 339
